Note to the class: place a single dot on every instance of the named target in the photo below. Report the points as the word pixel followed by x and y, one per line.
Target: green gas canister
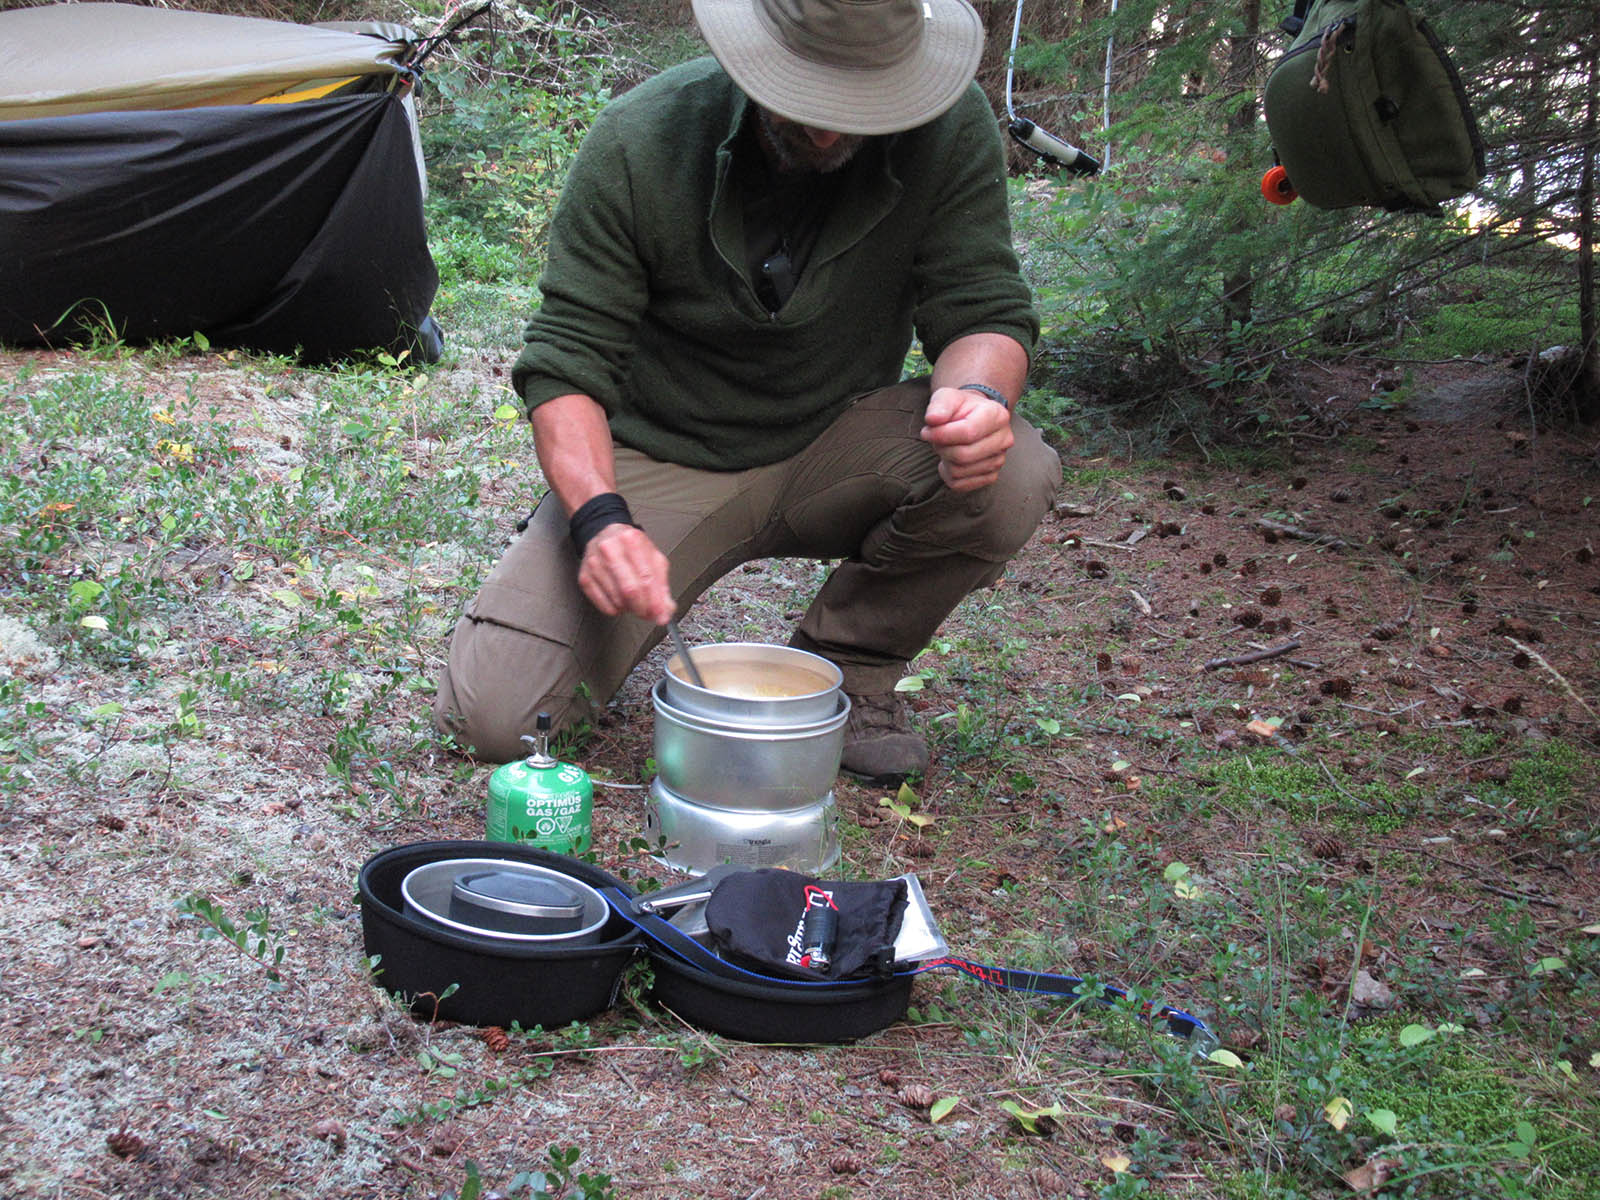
pixel 539 801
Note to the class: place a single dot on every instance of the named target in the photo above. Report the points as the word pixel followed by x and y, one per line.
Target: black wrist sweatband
pixel 592 516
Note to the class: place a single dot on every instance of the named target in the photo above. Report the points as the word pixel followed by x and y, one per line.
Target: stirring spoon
pixel 683 653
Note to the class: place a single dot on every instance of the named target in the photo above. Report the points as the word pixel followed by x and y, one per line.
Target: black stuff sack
pixel 1365 108
pixel 749 972
pixel 789 925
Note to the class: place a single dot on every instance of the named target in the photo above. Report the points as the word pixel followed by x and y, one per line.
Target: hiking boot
pixel 879 743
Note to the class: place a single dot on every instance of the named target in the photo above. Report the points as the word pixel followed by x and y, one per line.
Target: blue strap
pixel 1069 987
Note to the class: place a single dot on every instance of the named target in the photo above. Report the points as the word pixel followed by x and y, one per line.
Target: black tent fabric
pixel 285 218
pixel 291 228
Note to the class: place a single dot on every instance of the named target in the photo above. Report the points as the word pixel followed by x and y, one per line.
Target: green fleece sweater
pixel 648 309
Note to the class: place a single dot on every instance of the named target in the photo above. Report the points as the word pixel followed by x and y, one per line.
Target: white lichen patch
pixel 23 652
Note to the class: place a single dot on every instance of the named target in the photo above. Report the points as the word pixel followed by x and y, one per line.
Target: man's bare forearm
pixel 620 569
pixel 993 359
pixel 573 442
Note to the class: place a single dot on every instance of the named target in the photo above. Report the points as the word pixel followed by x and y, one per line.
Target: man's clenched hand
pixel 971 434
pixel 623 572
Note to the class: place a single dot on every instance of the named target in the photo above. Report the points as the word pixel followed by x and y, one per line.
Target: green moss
pixel 1454 1096
pixel 1249 781
pixel 1253 1185
pixel 1303 790
pixel 1547 777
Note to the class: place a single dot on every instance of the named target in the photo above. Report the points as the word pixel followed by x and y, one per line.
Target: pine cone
pixel 889 1077
pixel 496 1039
pixel 844 1164
pixel 1325 847
pixel 915 1095
pixel 130 1145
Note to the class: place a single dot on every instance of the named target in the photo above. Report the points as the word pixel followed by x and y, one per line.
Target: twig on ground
pixel 620 1074
pixel 1240 660
pixel 1485 885
pixel 1513 894
pixel 1559 677
pixel 1304 535
pixel 1378 712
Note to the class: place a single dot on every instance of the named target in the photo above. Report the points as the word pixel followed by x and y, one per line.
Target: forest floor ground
pixel 1389 825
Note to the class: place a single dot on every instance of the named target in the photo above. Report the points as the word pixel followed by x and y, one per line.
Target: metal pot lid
pixel 500 899
pixel 517 893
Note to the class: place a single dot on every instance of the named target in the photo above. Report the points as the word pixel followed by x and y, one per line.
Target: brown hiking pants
pixel 866 492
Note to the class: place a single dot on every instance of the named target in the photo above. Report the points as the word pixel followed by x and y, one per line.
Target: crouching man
pixel 743 251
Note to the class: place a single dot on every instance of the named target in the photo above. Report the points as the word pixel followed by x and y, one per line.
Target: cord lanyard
pixel 1068 987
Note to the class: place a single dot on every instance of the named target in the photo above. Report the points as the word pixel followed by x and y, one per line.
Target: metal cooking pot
pixel 751 766
pixel 753 683
pixel 500 898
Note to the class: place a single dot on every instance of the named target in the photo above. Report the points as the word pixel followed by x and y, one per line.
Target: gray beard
pixel 793 152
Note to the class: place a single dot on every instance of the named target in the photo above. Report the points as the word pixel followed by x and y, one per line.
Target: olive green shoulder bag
pixel 1365 108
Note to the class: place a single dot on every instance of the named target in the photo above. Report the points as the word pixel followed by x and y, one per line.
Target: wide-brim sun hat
pixel 849 66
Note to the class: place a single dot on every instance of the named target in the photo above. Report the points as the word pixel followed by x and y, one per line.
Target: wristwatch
pixel 983 389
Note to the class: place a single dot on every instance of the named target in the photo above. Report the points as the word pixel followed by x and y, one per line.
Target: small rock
pixel 330 1131
pixel 1371 993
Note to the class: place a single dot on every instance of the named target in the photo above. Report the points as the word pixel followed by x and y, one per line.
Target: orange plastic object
pixel 1275 186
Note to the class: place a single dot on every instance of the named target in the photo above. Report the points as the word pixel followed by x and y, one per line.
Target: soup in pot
pixel 757 681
